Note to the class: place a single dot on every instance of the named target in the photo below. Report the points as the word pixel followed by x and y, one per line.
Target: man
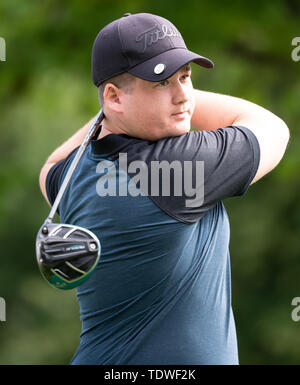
pixel 161 293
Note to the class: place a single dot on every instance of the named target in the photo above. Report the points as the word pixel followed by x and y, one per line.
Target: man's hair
pixel 124 81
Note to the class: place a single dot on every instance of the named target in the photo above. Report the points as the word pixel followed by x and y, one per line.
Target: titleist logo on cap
pixel 154 34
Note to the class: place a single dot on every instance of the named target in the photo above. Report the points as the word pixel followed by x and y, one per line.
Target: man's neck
pixel 107 129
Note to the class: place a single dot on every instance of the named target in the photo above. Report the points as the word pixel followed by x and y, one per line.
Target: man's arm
pixel 215 111
pixel 212 111
pixel 61 153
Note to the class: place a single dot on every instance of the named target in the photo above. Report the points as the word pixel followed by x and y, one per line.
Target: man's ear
pixel 112 97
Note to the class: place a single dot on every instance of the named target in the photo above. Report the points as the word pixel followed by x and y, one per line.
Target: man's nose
pixel 180 95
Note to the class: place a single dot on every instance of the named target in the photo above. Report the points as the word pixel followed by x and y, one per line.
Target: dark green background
pixel 46 94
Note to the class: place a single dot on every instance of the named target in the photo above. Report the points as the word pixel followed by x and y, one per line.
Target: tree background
pixel 46 94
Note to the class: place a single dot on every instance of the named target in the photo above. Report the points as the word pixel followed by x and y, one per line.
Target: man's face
pixel 158 110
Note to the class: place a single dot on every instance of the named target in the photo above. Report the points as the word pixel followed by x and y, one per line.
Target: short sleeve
pixel 52 180
pixel 219 164
pixel 231 157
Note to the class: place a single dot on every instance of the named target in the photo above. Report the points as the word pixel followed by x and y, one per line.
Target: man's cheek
pixel 193 103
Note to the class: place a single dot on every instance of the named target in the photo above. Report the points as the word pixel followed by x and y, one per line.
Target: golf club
pixel 68 254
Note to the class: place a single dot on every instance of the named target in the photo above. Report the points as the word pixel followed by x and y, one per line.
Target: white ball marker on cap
pixel 159 68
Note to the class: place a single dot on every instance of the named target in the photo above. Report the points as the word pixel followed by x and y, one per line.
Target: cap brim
pixel 172 60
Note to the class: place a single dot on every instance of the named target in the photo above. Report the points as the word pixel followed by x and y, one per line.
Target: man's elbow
pixel 283 137
pixel 42 179
pixel 286 132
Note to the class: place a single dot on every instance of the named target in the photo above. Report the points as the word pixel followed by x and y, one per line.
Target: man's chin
pixel 178 130
pixel 182 129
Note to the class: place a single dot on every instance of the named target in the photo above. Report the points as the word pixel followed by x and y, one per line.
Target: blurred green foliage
pixel 46 94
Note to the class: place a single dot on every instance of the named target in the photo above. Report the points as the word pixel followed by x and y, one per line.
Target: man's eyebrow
pixel 186 68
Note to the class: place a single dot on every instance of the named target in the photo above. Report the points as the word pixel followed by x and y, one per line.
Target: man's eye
pixel 185 77
pixel 163 83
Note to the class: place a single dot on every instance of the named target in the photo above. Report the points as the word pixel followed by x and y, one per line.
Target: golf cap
pixel 145 45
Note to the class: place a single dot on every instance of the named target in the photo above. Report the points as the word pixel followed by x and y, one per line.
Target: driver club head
pixel 66 254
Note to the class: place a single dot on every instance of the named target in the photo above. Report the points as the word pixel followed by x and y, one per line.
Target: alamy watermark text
pixel 2 309
pixel 295 314
pixel 157 178
pixel 2 49
pixel 296 51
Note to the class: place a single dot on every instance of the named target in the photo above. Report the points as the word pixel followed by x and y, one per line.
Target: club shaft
pixel 74 163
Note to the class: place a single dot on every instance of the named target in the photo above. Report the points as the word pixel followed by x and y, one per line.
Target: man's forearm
pixel 67 147
pixel 213 111
pixel 61 153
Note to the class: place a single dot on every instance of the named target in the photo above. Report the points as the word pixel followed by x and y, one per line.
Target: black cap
pixel 145 45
